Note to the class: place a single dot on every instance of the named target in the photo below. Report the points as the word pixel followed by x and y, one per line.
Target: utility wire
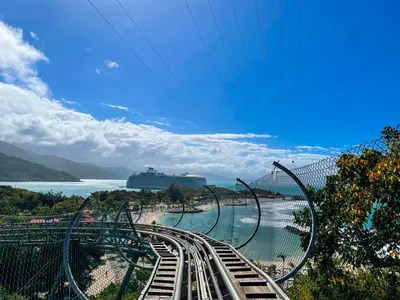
pixel 298 42
pixel 157 78
pixel 262 44
pixel 242 43
pixel 281 44
pixel 282 63
pixel 226 53
pixel 211 59
pixel 173 75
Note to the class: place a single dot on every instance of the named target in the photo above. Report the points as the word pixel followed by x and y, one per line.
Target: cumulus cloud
pixel 97 71
pixel 111 64
pixel 18 60
pixel 31 117
pixel 34 35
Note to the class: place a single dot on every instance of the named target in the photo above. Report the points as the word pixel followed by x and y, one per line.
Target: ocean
pixel 235 225
pixel 83 188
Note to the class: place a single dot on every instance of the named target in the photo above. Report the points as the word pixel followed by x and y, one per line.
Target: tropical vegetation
pixel 358 233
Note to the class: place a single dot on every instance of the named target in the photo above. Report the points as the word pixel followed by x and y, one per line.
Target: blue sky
pixel 340 67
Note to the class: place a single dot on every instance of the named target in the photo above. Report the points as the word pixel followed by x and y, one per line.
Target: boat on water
pixel 154 180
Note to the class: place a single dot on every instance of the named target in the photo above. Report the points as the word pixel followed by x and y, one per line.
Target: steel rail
pixel 177 292
pixel 225 277
pixel 151 278
pixel 273 283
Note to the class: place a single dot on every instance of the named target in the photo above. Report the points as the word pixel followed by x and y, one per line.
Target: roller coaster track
pixel 189 265
pixel 184 264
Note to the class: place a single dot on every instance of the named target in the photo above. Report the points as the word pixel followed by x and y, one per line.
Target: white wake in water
pixel 277 214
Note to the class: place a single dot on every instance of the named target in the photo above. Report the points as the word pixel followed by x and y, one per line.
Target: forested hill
pixel 77 169
pixel 15 169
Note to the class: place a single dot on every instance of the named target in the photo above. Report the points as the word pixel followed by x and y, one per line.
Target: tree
pixel 283 257
pixel 358 217
pixel 174 194
pixel 272 271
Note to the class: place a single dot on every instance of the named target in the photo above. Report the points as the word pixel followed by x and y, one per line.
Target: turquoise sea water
pixel 237 223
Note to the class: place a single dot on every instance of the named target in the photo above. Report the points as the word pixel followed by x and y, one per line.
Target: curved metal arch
pixel 219 209
pixel 259 215
pixel 311 244
pixel 183 212
pixel 126 258
pixel 67 240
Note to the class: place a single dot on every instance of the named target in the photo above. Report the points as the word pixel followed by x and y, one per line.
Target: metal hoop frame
pixel 219 209
pixel 311 244
pixel 258 216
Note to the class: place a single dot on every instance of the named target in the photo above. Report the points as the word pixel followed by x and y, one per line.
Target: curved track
pixel 188 266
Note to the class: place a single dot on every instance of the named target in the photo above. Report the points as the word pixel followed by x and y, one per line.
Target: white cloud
pixel 97 71
pixel 318 148
pixel 116 106
pixel 18 60
pixel 87 49
pixel 159 123
pixel 111 64
pixel 70 102
pixel 34 35
pixel 33 118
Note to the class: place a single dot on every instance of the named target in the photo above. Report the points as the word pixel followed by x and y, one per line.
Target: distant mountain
pixel 16 169
pixel 79 170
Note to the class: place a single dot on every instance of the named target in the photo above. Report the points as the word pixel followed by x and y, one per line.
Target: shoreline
pixel 148 218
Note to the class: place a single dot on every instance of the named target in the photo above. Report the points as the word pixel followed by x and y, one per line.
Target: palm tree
pixel 283 257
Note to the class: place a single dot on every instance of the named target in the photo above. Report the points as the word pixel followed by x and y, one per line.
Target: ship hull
pixel 154 182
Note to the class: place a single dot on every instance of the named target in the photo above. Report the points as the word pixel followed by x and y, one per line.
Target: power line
pixel 156 77
pixel 242 43
pixel 298 42
pixel 211 59
pixel 282 63
pixel 225 51
pixel 173 75
pixel 262 44
pixel 281 44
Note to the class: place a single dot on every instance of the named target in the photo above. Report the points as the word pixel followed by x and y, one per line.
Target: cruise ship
pixel 154 180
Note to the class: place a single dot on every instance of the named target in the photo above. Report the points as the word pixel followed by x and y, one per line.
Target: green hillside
pixel 76 169
pixel 15 169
